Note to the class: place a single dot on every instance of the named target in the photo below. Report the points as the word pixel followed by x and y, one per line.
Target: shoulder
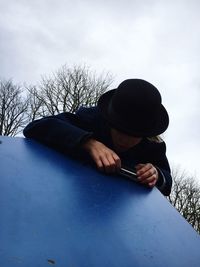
pixel 88 114
pixel 155 145
pixel 92 118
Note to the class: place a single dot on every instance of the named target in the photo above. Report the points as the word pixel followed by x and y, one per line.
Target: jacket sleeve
pixel 65 131
pixel 161 163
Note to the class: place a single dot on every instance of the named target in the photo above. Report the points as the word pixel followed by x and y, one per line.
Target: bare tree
pixel 66 90
pixel 36 107
pixel 13 107
pixel 185 197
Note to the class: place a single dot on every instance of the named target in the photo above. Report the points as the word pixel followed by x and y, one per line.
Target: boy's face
pixel 122 142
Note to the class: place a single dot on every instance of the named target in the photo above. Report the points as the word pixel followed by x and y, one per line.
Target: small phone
pixel 129 173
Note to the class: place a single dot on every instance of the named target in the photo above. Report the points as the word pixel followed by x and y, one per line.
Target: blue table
pixel 55 211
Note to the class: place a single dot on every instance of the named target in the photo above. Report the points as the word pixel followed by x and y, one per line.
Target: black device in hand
pixel 129 174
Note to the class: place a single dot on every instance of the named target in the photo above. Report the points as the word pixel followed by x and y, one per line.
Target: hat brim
pixel 160 125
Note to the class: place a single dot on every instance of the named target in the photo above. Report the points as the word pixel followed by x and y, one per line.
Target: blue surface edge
pixel 55 210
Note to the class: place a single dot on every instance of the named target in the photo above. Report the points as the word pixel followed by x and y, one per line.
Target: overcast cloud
pixel 155 40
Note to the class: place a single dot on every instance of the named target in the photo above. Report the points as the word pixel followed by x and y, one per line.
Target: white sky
pixel 155 40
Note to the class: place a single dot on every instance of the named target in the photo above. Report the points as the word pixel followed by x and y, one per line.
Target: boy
pixel 121 131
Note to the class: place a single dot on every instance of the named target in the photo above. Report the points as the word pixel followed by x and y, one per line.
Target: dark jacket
pixel 66 132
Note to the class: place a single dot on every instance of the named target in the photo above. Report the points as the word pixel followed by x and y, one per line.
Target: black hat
pixel 135 108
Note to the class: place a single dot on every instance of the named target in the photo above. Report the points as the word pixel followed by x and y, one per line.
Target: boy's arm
pixel 65 131
pixel 164 183
pixel 74 133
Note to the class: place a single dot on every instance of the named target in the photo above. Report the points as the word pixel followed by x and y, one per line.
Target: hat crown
pixel 136 99
pixel 135 108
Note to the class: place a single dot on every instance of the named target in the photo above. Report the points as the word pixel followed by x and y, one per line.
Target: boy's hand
pixel 105 158
pixel 147 174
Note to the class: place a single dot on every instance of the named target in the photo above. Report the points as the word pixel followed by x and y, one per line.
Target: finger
pixel 147 175
pixel 139 166
pixel 98 163
pixel 146 171
pixel 112 163
pixel 144 168
pixel 150 179
pixel 117 162
pixel 152 184
pixel 106 164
